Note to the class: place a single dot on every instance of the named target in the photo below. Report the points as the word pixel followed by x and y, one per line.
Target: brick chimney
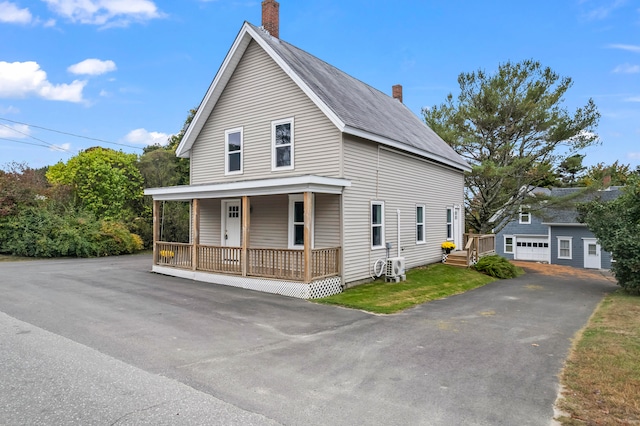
pixel 271 17
pixel 397 92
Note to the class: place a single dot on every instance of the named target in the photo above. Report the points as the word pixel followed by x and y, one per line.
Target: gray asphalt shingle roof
pixel 569 214
pixel 359 105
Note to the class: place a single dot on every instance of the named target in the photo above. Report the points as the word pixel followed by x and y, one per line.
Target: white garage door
pixel 532 248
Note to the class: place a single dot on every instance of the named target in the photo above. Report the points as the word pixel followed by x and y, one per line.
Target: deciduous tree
pixel 616 224
pixel 104 181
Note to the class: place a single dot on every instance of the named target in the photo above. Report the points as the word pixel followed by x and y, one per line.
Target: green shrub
pixel 42 232
pixel 498 267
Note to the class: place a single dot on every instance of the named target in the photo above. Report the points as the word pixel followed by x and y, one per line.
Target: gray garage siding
pixel 577 233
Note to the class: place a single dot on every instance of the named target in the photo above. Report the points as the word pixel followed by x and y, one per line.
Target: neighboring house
pixel 301 176
pixel 555 235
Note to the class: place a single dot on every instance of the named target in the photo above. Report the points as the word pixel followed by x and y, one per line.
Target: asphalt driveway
pixel 104 341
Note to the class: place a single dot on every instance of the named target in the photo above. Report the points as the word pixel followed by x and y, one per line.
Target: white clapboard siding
pixel 210 222
pixel 269 221
pixel 258 93
pixel 327 220
pixel 402 181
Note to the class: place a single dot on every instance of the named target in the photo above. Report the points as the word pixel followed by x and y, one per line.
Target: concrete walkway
pixel 487 357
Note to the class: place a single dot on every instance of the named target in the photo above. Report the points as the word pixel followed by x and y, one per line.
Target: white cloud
pixel 106 12
pixel 603 11
pixel 144 137
pixel 633 99
pixel 92 67
pixel 10 13
pixel 15 131
pixel 634 155
pixel 9 110
pixel 628 47
pixel 21 79
pixel 627 69
pixel 62 147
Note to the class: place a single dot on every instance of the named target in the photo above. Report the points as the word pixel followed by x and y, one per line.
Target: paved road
pixel 104 341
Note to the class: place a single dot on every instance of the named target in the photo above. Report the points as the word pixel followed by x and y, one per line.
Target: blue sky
pixel 128 71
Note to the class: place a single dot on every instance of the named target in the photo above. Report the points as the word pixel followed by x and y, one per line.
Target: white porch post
pixel 246 220
pixel 307 237
pixel 156 229
pixel 195 232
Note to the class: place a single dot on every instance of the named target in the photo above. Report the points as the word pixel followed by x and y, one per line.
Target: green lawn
pixel 602 375
pixel 422 285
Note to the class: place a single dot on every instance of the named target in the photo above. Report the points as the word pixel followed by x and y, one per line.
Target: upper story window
pixel 377 224
pixel 233 151
pixel 420 224
pixel 525 215
pixel 282 144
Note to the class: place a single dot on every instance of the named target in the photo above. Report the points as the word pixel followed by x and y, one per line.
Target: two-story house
pixel 303 178
pixel 553 234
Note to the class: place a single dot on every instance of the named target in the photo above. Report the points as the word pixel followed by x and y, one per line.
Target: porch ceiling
pixel 288 185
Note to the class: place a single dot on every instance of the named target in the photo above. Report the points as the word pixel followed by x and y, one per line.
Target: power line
pixel 70 134
pixel 38 139
pixel 55 147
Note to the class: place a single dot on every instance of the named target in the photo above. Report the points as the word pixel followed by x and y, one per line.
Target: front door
pixel 457 227
pixel 231 223
pixel 591 253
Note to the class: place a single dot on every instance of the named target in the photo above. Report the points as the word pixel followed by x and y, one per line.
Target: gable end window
pixel 564 247
pixel 377 224
pixel 420 224
pixel 282 142
pixel 233 151
pixel 525 215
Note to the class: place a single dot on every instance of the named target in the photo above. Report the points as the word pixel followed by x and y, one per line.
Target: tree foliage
pixel 43 231
pixel 508 125
pixel 613 175
pixel 105 182
pixel 570 169
pixel 616 224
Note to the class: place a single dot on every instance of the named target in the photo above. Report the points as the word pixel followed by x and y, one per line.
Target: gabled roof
pixel 352 106
pixel 567 214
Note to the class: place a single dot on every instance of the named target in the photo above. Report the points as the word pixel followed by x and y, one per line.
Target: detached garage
pixel 532 248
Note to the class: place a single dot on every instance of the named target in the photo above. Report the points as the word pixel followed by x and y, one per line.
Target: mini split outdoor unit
pixel 395 269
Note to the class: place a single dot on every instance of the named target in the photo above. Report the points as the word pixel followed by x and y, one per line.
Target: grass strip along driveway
pixel 423 284
pixel 602 375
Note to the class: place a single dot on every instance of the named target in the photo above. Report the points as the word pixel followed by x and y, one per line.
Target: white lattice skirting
pixel 314 290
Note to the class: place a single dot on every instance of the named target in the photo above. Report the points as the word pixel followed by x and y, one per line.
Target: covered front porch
pixel 274 235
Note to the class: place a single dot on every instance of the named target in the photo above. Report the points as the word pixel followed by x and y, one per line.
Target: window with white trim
pixel 282 144
pixel 525 215
pixel 420 224
pixel 449 223
pixel 296 221
pixel 377 224
pixel 564 247
pixel 508 243
pixel 233 151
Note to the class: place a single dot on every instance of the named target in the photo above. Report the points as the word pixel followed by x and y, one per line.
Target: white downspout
pixel 399 249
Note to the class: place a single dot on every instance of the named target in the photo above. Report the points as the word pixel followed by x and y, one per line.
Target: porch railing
pixel 478 245
pixel 276 263
pixel 261 262
pixel 173 254
pixel 325 262
pixel 220 259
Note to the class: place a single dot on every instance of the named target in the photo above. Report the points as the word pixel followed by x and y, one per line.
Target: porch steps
pixel 457 258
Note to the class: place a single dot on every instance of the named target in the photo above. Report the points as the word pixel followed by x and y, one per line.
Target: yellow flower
pixel 167 253
pixel 448 245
